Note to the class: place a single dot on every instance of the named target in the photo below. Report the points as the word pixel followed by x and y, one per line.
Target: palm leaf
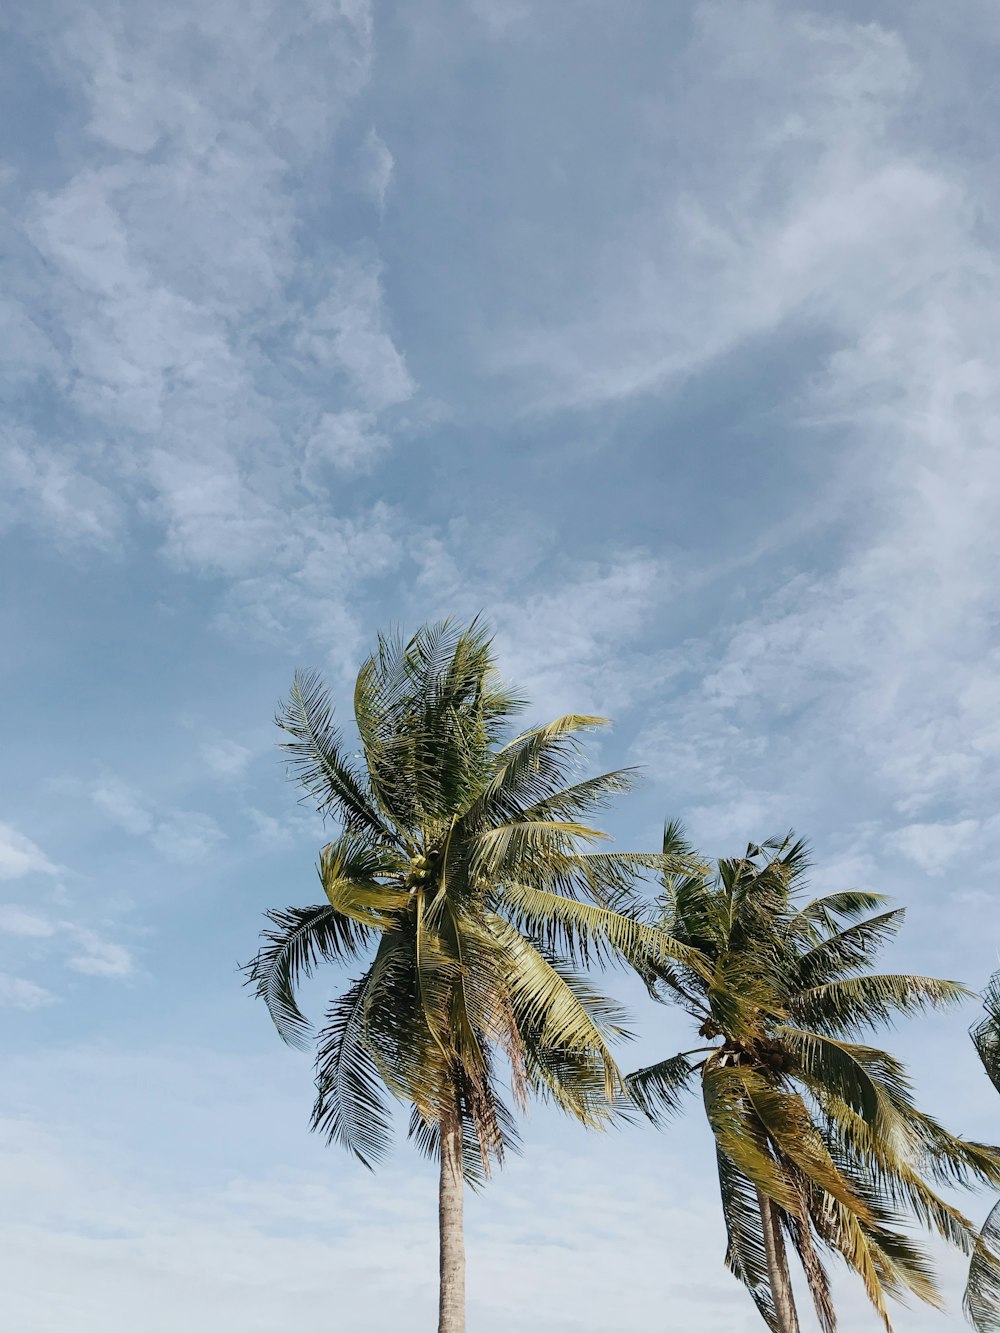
pixel 853 1005
pixel 531 770
pixel 982 1290
pixel 739 1134
pixel 787 1123
pixel 350 1108
pixel 746 1257
pixel 986 1033
pixel 848 950
pixel 302 938
pixel 317 758
pixel 581 930
pixel 657 1089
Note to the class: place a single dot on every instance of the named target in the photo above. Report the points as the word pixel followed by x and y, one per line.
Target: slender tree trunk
pixel 451 1199
pixel 777 1266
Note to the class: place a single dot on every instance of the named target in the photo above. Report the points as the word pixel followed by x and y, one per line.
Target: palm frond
pixel 787 1123
pixel 301 938
pixel 540 847
pixel 853 1005
pixel 848 950
pixel 350 1108
pixel 533 769
pixel 986 1033
pixel 982 1290
pixel 739 1134
pixel 584 930
pixel 317 759
pixel 658 1089
pixel 798 1228
pixel 746 1256
pixel 844 905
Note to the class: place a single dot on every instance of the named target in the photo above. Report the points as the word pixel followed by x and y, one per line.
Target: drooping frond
pixel 657 1090
pixel 746 1257
pixel 301 938
pixel 982 1290
pixel 349 876
pixel 799 1229
pixel 786 1122
pixel 856 1074
pixel 738 1134
pixel 350 1108
pixel 557 1005
pixel 986 1033
pixel 317 759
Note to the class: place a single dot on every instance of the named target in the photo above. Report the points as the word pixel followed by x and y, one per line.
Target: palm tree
pixel 465 878
pixel 818 1141
pixel 982 1293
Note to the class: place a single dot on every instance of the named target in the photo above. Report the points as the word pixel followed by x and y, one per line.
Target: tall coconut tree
pixel 466 885
pixel 820 1146
pixel 982 1293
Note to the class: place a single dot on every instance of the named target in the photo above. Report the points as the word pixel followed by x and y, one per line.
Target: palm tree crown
pixel 982 1293
pixel 817 1136
pixel 466 880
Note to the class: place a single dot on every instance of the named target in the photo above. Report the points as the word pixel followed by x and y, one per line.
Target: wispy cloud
pixel 16 993
pixel 20 856
pixel 226 759
pixel 770 190
pixel 98 957
pixel 208 360
pixel 16 920
pixel 186 836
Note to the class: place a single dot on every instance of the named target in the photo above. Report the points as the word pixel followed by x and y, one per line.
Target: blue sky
pixel 662 333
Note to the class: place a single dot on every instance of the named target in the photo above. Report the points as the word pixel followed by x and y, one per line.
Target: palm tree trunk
pixel 777 1266
pixel 451 1316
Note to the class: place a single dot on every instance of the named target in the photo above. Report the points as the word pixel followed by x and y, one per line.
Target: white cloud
pixel 226 759
pixel 568 641
pixel 346 332
pixel 186 836
pixel 179 835
pixel 80 947
pixel 252 1247
pixel 58 491
pixel 934 847
pixel 768 189
pixel 195 352
pixel 20 856
pixel 99 957
pixel 16 993
pixel 122 804
pixel 19 921
pixel 347 441
pixel 500 16
pixel 377 164
pixel 299 825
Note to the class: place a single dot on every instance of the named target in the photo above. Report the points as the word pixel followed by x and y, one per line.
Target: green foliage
pixel 465 876
pixel 803 1114
pixel 982 1292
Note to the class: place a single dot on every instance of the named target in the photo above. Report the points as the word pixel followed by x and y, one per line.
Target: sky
pixel 661 333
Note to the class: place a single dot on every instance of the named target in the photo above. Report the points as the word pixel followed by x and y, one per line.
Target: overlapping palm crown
pixel 467 880
pixel 803 1114
pixel 982 1295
